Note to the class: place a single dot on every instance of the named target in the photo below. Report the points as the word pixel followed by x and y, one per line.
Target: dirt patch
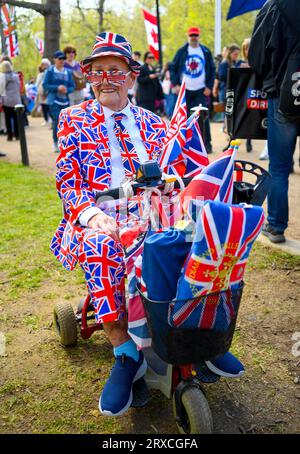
pixel 45 388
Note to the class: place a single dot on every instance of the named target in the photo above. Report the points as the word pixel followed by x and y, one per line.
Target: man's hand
pixel 207 91
pixel 105 223
pixel 153 76
pixel 62 89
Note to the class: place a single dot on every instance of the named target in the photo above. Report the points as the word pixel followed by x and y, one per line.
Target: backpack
pixel 289 98
pixel 79 79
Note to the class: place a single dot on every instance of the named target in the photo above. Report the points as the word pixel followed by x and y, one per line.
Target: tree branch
pixel 80 9
pixel 42 9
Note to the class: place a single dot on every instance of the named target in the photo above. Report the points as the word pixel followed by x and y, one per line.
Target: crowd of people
pixel 61 84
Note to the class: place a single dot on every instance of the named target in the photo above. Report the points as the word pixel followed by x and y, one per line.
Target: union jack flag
pixel 215 182
pixel 194 150
pixel 9 30
pixel 217 260
pixel 176 134
pixel 39 42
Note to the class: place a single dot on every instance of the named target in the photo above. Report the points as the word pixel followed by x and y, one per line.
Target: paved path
pixel 42 157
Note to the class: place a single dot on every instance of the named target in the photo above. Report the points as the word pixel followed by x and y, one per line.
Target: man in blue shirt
pixel 58 83
pixel 194 62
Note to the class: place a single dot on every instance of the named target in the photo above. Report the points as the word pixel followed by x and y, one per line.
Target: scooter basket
pixel 176 345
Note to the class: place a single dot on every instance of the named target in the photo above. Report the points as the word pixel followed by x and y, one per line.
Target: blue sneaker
pixel 116 396
pixel 226 366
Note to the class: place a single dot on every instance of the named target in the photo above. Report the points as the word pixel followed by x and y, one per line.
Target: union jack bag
pixel 215 266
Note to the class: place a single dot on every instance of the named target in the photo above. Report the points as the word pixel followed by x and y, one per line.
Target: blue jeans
pixel 282 138
pixel 54 112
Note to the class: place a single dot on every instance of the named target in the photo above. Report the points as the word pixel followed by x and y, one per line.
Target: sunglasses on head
pixel 151 57
pixel 113 77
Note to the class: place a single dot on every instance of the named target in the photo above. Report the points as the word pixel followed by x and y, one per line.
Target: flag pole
pixel 159 36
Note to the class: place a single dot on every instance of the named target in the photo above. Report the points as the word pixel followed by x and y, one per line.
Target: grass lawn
pixel 45 388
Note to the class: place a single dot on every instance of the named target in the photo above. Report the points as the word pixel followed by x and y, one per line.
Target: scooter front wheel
pixel 196 417
pixel 65 323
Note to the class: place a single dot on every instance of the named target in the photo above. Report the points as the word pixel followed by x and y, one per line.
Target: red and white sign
pixel 152 33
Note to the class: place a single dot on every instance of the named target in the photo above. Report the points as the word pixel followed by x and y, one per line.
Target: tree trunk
pixel 50 9
pixel 101 15
pixel 52 28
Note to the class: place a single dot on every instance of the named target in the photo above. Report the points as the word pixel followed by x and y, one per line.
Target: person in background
pixel 41 98
pixel 218 59
pixel 274 45
pixel 58 83
pixel 194 62
pixel 77 96
pixel 148 84
pixel 10 99
pixel 230 61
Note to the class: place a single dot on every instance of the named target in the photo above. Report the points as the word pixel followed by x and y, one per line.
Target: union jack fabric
pixel 215 182
pixel 176 135
pixel 39 42
pixel 101 258
pixel 108 43
pixel 9 30
pixel 217 260
pixel 84 166
pixel 184 147
pixel 129 155
pixel 194 151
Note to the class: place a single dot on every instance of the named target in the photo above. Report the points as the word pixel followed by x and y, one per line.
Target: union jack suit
pixel 84 168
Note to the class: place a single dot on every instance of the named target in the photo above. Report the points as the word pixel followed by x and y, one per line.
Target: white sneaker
pixel 55 148
pixel 43 123
pixel 264 156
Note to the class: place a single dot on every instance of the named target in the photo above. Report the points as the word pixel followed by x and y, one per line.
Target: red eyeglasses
pixel 113 77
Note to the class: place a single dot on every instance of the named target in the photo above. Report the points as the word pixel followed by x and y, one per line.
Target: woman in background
pixel 10 99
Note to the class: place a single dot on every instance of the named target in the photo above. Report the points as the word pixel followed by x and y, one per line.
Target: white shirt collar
pixel 109 113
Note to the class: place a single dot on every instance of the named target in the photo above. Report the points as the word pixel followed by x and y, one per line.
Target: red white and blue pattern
pixel 129 155
pixel 217 260
pixel 101 258
pixel 108 43
pixel 39 42
pixel 194 151
pixel 84 166
pixel 9 30
pixel 176 135
pixel 215 182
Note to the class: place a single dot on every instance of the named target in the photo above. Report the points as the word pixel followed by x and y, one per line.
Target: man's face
pixel 193 40
pixel 111 96
pixel 59 62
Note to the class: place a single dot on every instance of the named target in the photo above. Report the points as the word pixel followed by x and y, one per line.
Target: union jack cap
pixel 109 43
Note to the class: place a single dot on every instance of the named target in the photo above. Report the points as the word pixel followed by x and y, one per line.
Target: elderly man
pixel 101 142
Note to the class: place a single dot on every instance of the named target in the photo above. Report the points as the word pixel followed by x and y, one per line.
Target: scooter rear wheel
pixel 66 325
pixel 197 417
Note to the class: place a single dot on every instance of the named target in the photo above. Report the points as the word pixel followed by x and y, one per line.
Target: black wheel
pixel 65 322
pixel 197 417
